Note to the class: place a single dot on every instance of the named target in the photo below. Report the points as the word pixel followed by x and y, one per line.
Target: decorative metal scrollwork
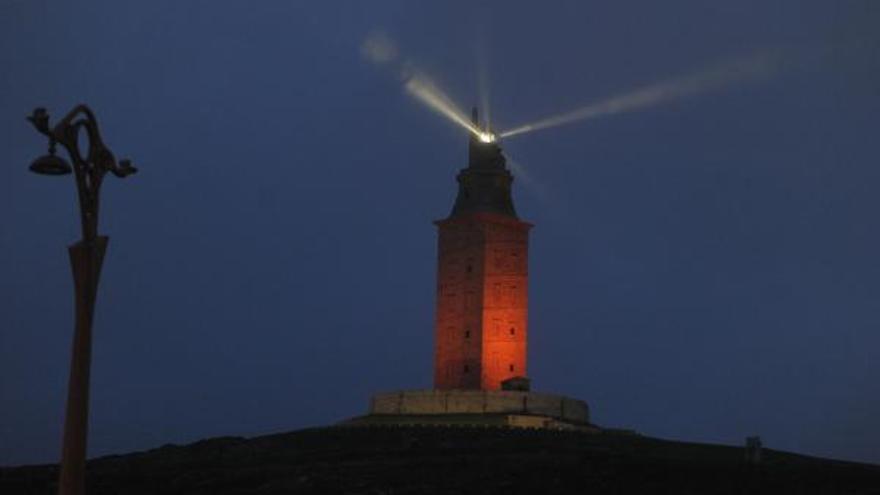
pixel 89 166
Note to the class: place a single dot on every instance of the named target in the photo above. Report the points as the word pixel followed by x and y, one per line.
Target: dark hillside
pixel 448 460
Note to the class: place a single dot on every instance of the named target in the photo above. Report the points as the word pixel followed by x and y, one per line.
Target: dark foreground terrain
pixel 434 460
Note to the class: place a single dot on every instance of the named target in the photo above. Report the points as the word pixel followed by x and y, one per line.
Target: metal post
pixel 86 259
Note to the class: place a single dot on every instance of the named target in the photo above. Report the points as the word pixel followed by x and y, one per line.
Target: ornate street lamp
pixel 86 256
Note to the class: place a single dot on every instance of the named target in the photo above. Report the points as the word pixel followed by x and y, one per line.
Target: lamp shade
pixel 50 165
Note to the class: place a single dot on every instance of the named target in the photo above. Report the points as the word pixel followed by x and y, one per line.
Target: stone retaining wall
pixel 479 401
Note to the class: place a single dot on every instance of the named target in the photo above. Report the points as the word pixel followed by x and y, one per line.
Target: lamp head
pixel 50 165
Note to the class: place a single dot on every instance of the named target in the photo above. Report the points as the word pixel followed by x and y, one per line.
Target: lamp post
pixel 86 256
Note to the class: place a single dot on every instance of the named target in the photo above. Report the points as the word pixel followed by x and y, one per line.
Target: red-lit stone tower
pixel 481 322
pixel 482 278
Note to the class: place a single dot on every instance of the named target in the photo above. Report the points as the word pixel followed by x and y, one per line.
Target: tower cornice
pixel 485 217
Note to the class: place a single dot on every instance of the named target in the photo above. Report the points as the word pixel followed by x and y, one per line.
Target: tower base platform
pixel 503 408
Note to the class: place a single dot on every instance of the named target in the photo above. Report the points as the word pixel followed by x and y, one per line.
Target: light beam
pixel 424 90
pixel 380 49
pixel 716 77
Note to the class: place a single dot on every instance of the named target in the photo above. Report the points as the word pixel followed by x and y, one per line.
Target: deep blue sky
pixel 702 270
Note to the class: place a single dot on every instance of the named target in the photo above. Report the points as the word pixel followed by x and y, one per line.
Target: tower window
pixel 512 331
pixel 467 334
pixel 466 368
pixel 511 367
pixel 470 268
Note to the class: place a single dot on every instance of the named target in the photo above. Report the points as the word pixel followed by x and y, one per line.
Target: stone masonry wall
pixel 479 401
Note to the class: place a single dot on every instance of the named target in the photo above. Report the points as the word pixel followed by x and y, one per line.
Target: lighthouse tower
pixel 480 327
pixel 482 278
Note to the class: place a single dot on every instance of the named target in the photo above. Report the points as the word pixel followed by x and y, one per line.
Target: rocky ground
pixel 451 460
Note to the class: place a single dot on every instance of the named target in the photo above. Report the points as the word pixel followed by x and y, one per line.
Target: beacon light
pixel 486 137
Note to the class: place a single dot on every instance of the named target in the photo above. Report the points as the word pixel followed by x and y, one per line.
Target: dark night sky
pixel 702 270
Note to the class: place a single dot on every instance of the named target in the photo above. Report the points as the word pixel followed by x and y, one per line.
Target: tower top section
pixel 484 186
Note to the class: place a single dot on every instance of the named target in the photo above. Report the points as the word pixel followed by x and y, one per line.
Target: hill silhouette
pixel 447 460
